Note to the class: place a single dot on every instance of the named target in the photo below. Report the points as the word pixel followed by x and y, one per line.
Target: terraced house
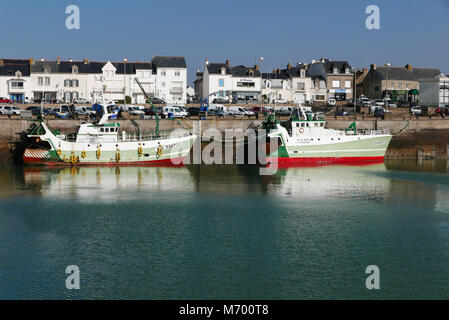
pixel 237 84
pixel 89 81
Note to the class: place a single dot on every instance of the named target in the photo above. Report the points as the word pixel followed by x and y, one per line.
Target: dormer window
pixel 335 70
pixel 268 84
pixel 347 70
pixel 223 70
pixel 251 73
pixel 18 74
pixel 303 73
pixel 47 69
pixel 74 69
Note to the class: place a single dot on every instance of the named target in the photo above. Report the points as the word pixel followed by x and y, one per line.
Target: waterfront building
pixel 434 92
pixel 14 79
pixel 237 84
pixel 398 83
pixel 280 85
pixel 338 76
pixel 68 81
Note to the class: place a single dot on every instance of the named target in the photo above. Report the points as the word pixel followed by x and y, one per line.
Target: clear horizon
pixel 413 32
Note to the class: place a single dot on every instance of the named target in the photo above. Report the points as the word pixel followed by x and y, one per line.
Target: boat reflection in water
pixel 107 183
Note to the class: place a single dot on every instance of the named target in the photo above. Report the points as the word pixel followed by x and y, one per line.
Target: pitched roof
pixel 215 68
pixel 168 62
pixel 341 66
pixel 9 67
pixel 274 75
pixel 242 71
pixel 426 73
pixel 89 67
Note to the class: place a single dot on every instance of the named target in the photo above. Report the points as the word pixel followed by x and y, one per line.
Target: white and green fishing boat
pixel 306 140
pixel 104 143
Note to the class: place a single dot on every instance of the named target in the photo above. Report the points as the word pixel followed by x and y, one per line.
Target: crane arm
pixel 151 104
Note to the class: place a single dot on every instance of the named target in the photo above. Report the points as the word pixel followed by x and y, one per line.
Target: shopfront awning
pixel 414 92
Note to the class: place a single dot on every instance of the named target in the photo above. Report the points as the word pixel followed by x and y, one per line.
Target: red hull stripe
pixel 41 161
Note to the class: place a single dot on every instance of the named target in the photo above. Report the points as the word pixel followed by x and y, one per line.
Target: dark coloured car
pixel 150 111
pixel 35 110
pixel 193 111
pixel 220 101
pixel 157 101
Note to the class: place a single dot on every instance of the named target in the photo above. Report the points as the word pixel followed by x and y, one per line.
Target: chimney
pixel 256 67
pixel 313 61
pixel 2 63
pixel 31 61
pixel 227 63
pixel 71 60
pixel 408 67
pixel 86 61
pixel 322 60
pixel 289 66
pixel 207 62
pixel 373 66
pixel 58 59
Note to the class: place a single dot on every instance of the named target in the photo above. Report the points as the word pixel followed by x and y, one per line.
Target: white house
pixel 237 84
pixel 281 85
pixel 14 79
pixel 171 78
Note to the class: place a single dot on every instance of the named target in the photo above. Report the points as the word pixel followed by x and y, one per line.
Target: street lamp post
pixel 124 83
pixel 388 66
pixel 261 78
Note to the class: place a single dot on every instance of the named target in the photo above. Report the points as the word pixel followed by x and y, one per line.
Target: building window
pixel 163 73
pixel 47 69
pixel 336 84
pixel 47 81
pixel 301 85
pixel 40 81
pixel 74 69
pixel 320 97
pixel 16 85
pixel 221 82
pixel 245 84
pixel 347 84
pixel 347 70
pixel 303 73
pixel 177 73
pixel 400 85
pixel 75 83
pixel 335 70
pixel 376 89
pixel 268 85
pixel 407 85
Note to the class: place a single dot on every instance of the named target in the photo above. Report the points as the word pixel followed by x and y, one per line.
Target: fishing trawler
pixel 305 140
pixel 103 143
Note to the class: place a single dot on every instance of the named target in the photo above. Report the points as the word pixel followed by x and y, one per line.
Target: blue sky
pixel 412 31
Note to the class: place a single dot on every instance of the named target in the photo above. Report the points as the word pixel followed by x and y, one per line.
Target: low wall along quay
pixel 423 138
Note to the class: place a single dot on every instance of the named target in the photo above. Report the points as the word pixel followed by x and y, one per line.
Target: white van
pixel 240 111
pixel 173 111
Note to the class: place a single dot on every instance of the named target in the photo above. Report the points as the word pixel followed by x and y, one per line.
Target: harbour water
pixel 225 232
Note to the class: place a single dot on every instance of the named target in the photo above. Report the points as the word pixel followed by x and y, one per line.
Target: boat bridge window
pixel 303 124
pixel 321 124
pixel 101 129
pixel 316 124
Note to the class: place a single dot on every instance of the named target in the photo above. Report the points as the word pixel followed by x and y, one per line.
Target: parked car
pixel 418 110
pixel 237 112
pixel 9 110
pixel 403 104
pixel 157 101
pixel 259 109
pixel 150 111
pixel 193 111
pixel 219 113
pixel 331 102
pixel 35 110
pixel 379 112
pixel 220 101
pixel 379 102
pixel 174 112
pixel 5 100
pixel 364 102
pixel 283 111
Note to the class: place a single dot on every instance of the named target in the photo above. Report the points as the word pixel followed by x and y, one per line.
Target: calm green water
pixel 226 232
